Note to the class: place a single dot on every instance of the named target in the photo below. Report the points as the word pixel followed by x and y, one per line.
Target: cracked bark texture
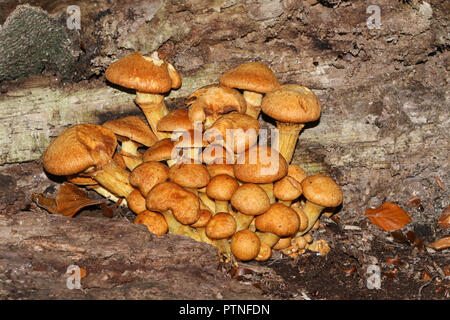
pixel 383 133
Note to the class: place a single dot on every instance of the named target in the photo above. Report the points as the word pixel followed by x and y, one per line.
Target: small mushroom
pixel 287 189
pixel 136 202
pixel 249 200
pixel 291 106
pixel 189 175
pixel 278 221
pixel 219 228
pixel 320 192
pixel 151 77
pixel 208 103
pixel 160 151
pixel 255 79
pixel 154 221
pixel 221 188
pixel 147 175
pixel 245 245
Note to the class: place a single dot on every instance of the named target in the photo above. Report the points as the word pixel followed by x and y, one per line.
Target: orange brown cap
pixel 79 148
pixel 245 245
pixel 189 175
pixel 287 189
pixel 176 120
pixel 291 103
pixel 161 150
pixel 296 172
pixel 134 128
pixel 185 205
pixel 251 76
pixel 216 169
pixel 322 190
pixel 154 221
pixel 144 74
pixel 250 199
pixel 136 201
pixel 148 174
pixel 279 219
pixel 260 164
pixel 222 187
pixel 221 226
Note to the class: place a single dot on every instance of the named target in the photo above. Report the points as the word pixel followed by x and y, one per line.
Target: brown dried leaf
pixel 399 237
pixel 44 202
pixel 440 244
pixel 70 199
pixel 444 219
pixel 389 216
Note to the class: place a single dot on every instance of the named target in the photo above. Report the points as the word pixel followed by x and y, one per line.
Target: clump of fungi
pixel 199 171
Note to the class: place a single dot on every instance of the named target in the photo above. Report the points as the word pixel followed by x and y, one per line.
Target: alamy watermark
pixel 73 21
pixel 73 274
pixel 374 20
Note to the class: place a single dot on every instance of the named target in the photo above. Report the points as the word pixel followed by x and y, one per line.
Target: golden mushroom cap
pixel 189 175
pixel 176 120
pixel 161 150
pixel 154 221
pixel 221 226
pixel 250 199
pixel 79 148
pixel 322 190
pixel 222 187
pixel 279 219
pixel 251 76
pixel 287 189
pixel 148 174
pixel 136 201
pixel 134 128
pixel 245 245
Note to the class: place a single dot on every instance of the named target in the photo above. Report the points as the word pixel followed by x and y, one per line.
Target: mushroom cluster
pixel 202 171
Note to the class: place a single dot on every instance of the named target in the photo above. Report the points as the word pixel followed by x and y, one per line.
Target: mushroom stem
pixel 175 227
pixel 287 138
pixel 268 188
pixel 223 248
pixel 114 179
pixel 253 100
pixel 312 211
pixel 129 147
pixel 207 201
pixel 221 206
pixel 243 221
pixel 154 109
pixel 106 194
pixel 203 237
pixel 268 238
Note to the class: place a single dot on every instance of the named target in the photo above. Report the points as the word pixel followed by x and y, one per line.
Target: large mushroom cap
pixel 189 175
pixel 134 128
pixel 79 148
pixel 279 219
pixel 250 199
pixel 144 74
pixel 291 103
pixel 176 120
pixel 322 190
pixel 251 76
pixel 260 164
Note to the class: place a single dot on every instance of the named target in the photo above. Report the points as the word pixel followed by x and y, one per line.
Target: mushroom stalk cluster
pixel 203 171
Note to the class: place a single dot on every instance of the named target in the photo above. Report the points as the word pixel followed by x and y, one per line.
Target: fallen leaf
pixel 395 261
pixel 44 202
pixel 447 270
pixel 70 199
pixel 440 244
pixel 389 216
pixel 444 219
pixel 414 202
pixel 426 276
pixel 399 237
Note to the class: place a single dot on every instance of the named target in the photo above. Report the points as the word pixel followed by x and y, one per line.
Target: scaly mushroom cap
pixel 239 131
pixel 154 221
pixel 79 148
pixel 134 128
pixel 189 175
pixel 291 103
pixel 148 174
pixel 144 74
pixel 260 164
pixel 221 226
pixel 185 205
pixel 251 76
pixel 245 245
pixel 250 199
pixel 214 100
pixel 322 190
pixel 287 189
pixel 279 219
pixel 222 187
pixel 161 150
pixel 176 120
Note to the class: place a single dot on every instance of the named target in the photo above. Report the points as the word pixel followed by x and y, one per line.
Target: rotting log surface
pixel 383 133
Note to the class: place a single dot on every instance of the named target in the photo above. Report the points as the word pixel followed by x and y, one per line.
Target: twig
pixel 424 285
